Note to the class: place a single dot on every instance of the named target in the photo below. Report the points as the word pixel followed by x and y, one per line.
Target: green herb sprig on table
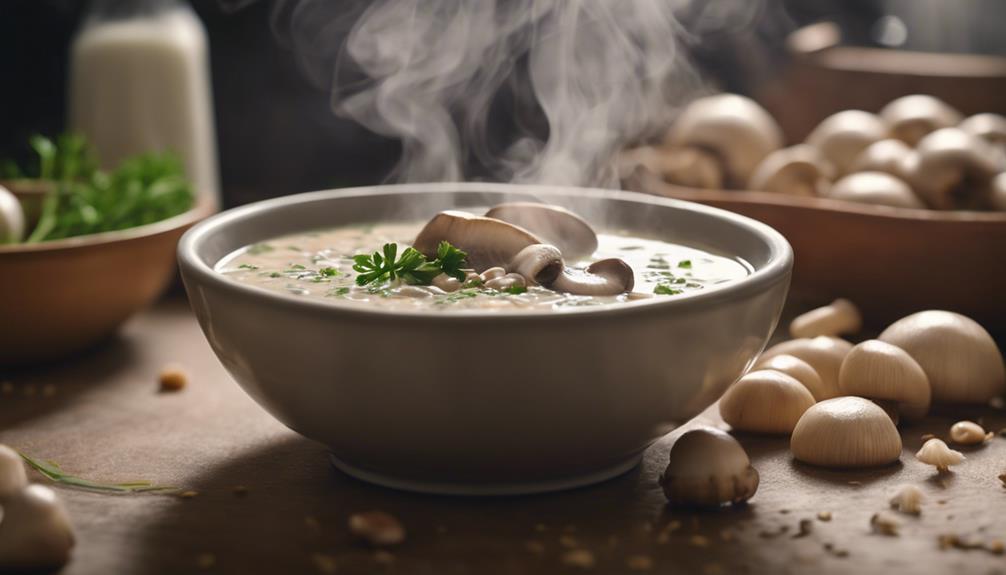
pixel 412 266
pixel 53 472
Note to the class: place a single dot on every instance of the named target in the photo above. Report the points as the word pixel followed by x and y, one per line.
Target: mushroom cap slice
pixel 799 370
pixel 846 432
pixel 876 188
pixel 953 169
pixel 841 137
pixel 488 242
pixel 960 358
pixel 798 171
pixel 539 264
pixel 825 354
pixel 12 474
pixel 35 530
pixel 765 401
pixel 734 129
pixel 910 118
pixel 553 224
pixel 889 156
pixel 882 372
pixel 707 467
pixel 610 276
pixel 937 453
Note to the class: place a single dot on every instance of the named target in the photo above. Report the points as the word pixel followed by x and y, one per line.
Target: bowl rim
pixel 193 267
pixel 199 211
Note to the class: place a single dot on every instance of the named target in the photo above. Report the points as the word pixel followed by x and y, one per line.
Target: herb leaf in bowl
pixel 412 267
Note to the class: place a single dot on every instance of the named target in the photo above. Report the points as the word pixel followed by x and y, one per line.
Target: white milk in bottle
pixel 140 82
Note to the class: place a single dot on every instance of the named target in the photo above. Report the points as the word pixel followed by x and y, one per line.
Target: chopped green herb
pixel 338 292
pixel 328 272
pixel 664 289
pixel 256 249
pixel 685 264
pixel 515 290
pixel 53 472
pixel 412 266
pixel 275 275
pixel 247 267
pixel 297 267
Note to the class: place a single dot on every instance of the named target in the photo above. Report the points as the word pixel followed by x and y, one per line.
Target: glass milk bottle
pixel 140 82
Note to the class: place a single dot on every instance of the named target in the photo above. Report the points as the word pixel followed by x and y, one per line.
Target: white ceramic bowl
pixel 479 403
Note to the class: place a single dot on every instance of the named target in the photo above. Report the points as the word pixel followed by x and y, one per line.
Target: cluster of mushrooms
pixel 35 530
pixel 525 244
pixel 841 403
pixel 917 152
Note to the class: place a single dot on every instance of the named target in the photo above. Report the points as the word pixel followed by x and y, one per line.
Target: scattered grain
pixel 824 515
pixel 172 378
pixel 582 558
pixel 377 528
pixel 884 524
pixel 996 547
pixel 908 499
pixel 639 562
pixel 323 562
pixel 805 528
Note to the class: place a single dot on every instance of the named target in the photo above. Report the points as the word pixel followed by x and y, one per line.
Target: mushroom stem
pixel 610 276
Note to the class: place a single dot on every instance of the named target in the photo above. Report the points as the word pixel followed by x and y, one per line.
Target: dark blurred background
pixel 277 135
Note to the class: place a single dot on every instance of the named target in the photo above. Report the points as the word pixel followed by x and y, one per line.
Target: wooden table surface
pixel 101 416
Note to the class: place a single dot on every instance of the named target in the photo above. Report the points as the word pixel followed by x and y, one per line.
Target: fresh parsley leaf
pixel 248 267
pixel 515 290
pixel 412 267
pixel 328 272
pixel 685 264
pixel 665 289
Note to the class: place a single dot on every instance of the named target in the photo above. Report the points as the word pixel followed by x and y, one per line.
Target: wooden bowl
pixel 63 296
pixel 825 76
pixel 889 261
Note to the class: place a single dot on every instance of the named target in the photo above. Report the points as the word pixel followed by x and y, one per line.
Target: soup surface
pixel 319 265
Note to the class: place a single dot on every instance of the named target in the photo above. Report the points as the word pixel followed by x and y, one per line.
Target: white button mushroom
pixel 959 357
pixel 735 129
pixel 887 375
pixel 12 474
pixel 12 220
pixel 841 137
pixel 796 368
pixel 953 170
pixel 990 127
pixel 823 353
pixel 691 167
pixel 888 156
pixel 35 531
pixel 910 118
pixel 797 171
pixel 765 401
pixel 840 317
pixel 487 241
pixel 846 432
pixel 969 433
pixel 936 453
pixel 707 467
pixel 875 188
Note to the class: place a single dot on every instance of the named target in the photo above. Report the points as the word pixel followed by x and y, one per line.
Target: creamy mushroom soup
pixel 319 265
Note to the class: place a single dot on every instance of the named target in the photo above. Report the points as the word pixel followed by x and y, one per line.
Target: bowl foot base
pixel 519 488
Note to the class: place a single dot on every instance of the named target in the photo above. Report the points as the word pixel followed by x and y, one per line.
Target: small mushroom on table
pixel 937 453
pixel 825 354
pixel 765 401
pixel 888 376
pixel 960 358
pixel 797 369
pixel 840 317
pixel 35 530
pixel 708 468
pixel 846 432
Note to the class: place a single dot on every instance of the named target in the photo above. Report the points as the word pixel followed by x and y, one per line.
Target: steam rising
pixel 444 75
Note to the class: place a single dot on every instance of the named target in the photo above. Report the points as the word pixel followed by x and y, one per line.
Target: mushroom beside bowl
pixel 473 402
pixel 63 296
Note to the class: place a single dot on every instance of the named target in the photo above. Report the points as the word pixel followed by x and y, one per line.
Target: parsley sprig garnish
pixel 412 266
